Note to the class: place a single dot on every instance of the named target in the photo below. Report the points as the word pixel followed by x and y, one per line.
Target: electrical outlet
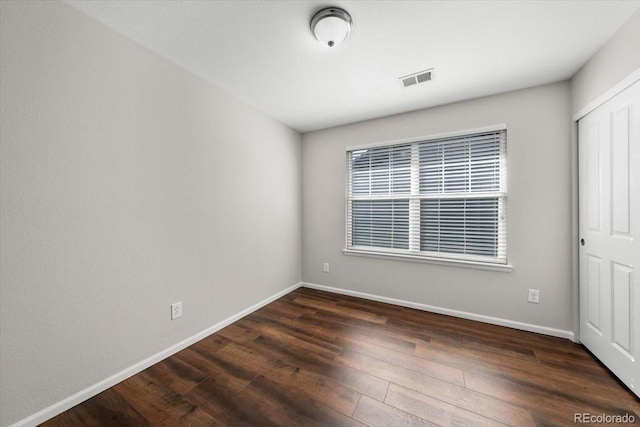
pixel 325 267
pixel 176 310
pixel 534 296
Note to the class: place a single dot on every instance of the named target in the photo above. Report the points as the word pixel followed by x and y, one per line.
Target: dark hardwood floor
pixel 313 358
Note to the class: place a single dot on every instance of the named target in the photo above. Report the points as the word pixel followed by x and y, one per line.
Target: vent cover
pixel 415 78
pixel 408 81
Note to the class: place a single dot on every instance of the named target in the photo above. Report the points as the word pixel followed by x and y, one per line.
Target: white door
pixel 609 181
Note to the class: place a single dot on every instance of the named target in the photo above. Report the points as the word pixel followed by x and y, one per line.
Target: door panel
pixel 593 175
pixel 620 171
pixel 609 169
pixel 621 302
pixel 593 294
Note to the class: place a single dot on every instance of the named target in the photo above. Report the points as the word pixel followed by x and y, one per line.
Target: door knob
pixel 582 242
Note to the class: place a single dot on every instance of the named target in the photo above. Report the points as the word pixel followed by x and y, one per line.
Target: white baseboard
pixel 82 395
pixel 456 313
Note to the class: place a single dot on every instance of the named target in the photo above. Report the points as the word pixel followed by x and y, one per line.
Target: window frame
pixel 490 263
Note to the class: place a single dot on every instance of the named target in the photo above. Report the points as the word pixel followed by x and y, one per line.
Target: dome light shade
pixel 331 26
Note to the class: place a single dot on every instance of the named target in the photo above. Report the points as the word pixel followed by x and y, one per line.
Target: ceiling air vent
pixel 415 78
pixel 408 81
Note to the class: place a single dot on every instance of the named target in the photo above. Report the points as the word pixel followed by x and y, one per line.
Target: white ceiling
pixel 264 53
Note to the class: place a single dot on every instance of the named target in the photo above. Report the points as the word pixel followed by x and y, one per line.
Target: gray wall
pixel 126 184
pixel 619 57
pixel 539 213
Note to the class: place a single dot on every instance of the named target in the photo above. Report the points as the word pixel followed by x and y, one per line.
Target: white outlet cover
pixel 176 310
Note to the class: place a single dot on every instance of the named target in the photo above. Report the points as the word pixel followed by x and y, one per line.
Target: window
pixel 435 198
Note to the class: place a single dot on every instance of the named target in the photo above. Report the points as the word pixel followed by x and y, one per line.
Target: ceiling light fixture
pixel 331 26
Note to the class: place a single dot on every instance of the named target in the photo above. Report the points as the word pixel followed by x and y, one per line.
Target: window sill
pixel 431 260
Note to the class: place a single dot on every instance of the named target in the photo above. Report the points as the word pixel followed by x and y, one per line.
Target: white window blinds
pixel 443 198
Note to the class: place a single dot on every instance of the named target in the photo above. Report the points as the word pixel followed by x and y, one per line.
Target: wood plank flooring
pixel 313 358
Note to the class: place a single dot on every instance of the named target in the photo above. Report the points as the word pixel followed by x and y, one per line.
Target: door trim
pixel 613 91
